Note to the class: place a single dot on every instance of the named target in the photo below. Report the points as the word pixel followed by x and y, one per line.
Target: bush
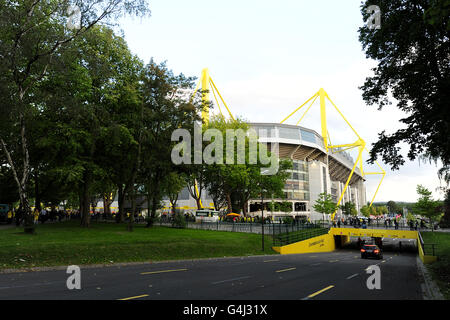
pixel 179 221
pixel 288 220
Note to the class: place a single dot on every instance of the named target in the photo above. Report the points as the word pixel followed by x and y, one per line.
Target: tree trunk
pixel 229 206
pixel 85 200
pixel 22 184
pixel 133 209
pixel 153 210
pixel 37 196
pixel 244 209
pixel 106 204
pixel 199 206
pixel 121 200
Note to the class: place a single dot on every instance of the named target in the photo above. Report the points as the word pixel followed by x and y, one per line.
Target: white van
pixel 206 215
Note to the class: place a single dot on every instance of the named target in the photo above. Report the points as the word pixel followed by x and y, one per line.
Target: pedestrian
pixel 36 215
pixel 44 215
pixel 339 223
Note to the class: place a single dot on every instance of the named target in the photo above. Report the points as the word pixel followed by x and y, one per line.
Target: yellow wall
pixel 383 233
pixel 326 242
pixel 423 257
pixel 323 243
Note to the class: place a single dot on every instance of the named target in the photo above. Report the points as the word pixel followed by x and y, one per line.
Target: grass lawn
pixel 67 243
pixel 441 268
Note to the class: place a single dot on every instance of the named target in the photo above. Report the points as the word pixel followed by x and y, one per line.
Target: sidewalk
pixel 430 290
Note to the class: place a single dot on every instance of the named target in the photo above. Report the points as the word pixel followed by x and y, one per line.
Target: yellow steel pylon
pixel 207 84
pixel 359 143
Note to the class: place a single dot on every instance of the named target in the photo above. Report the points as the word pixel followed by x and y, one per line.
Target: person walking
pixel 36 215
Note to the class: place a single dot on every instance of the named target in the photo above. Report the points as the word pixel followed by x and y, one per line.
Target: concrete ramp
pixel 323 243
pixel 336 237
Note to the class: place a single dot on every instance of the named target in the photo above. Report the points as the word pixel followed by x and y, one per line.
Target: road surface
pixel 337 275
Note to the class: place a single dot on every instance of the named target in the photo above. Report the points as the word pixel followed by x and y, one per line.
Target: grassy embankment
pixel 441 268
pixel 104 243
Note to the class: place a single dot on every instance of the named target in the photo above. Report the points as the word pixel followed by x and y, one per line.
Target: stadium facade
pixel 314 171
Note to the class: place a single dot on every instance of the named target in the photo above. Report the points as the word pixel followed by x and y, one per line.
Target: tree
pixel 94 116
pixel 240 181
pixel 365 211
pixel 381 210
pixel 412 51
pixel 32 34
pixel 392 206
pixel 410 218
pixel 173 184
pixel 372 211
pixel 349 209
pixel 445 222
pixel 167 107
pixel 325 204
pixel 426 206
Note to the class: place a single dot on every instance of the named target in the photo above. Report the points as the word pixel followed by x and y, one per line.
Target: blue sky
pixel 268 57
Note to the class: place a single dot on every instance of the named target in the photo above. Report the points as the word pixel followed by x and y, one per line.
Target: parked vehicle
pixel 206 215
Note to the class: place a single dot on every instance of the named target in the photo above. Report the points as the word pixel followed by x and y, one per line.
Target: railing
pixel 429 249
pixel 291 237
pixel 248 227
pixel 382 225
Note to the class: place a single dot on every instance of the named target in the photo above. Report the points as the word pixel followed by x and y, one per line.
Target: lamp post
pixel 262 209
pixel 262 220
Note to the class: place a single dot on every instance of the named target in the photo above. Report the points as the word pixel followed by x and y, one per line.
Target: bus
pixel 206 215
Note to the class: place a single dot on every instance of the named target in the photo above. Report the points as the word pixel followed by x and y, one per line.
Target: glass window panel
pixel 289 133
pixel 308 136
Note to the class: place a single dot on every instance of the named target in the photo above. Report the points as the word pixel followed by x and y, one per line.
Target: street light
pixel 262 210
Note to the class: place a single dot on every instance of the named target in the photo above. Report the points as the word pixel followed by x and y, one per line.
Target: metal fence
pixel 283 239
pixel 429 249
pixel 247 227
pixel 383 225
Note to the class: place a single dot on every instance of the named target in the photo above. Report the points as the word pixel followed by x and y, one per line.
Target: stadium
pixel 314 171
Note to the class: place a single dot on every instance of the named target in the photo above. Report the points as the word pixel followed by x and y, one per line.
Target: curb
pixel 430 290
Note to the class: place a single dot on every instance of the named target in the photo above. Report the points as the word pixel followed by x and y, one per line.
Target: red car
pixel 371 250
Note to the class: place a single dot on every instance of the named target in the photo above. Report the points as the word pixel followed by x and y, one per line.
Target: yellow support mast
pixel 359 143
pixel 205 95
pixel 207 83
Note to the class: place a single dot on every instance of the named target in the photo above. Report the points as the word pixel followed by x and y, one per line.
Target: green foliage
pixel 172 185
pixel 410 217
pixel 365 211
pixel 44 65
pixel 288 220
pixel 179 221
pixel 325 204
pixel 412 50
pixel 239 182
pixel 381 210
pixel 284 206
pixel 349 209
pixel 426 206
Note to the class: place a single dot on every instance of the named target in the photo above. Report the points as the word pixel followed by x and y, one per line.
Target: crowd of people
pixel 395 223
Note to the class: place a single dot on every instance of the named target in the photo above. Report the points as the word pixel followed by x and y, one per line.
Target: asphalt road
pixel 337 275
